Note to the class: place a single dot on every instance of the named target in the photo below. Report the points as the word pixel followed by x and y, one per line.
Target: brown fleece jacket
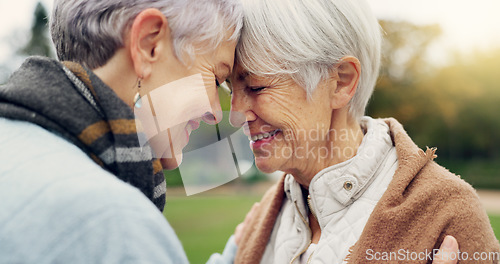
pixel 423 203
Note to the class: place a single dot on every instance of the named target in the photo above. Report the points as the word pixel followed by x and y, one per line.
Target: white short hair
pixel 304 39
pixel 90 31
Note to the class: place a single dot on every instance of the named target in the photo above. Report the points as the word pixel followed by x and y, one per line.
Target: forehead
pixel 225 53
pixel 239 73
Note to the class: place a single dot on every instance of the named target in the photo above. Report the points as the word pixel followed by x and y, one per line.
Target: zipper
pixel 310 232
pixel 310 206
pixel 310 257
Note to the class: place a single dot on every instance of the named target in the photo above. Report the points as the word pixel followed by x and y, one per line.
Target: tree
pixel 404 48
pixel 39 44
pixel 453 107
pixel 398 92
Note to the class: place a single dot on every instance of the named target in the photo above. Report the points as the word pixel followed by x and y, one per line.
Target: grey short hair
pixel 90 31
pixel 305 39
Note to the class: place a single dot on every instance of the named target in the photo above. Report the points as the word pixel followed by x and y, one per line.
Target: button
pixel 348 185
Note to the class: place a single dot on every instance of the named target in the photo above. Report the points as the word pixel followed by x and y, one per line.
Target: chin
pixel 264 165
pixel 171 163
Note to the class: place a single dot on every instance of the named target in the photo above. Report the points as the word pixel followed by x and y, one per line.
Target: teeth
pixel 264 135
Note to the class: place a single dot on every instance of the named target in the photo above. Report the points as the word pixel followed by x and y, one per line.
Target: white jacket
pixel 342 197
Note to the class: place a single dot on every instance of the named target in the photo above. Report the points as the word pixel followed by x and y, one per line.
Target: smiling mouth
pixel 258 137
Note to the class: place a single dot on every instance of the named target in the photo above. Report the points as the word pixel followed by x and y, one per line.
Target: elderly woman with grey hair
pixel 77 185
pixel 355 189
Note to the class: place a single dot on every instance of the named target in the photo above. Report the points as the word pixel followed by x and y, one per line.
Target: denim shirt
pixel 58 206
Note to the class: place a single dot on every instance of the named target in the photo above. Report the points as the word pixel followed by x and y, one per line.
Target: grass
pixel 204 223
pixel 495 224
pixel 480 173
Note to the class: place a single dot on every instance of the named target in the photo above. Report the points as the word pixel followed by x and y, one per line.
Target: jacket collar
pixel 344 183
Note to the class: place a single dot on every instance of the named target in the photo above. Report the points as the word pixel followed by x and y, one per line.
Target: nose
pixel 241 110
pixel 237 119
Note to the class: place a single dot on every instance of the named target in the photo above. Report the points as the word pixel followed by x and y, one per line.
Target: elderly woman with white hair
pixel 355 189
pixel 77 185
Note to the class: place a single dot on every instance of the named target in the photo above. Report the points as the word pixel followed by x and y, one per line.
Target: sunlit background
pixel 440 78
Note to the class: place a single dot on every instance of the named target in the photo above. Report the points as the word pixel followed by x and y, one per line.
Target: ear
pixel 147 39
pixel 346 74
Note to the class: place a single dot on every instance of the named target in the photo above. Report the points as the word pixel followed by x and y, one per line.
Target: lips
pixel 194 125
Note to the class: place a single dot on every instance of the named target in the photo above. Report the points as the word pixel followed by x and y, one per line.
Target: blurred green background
pixel 205 223
pixel 453 106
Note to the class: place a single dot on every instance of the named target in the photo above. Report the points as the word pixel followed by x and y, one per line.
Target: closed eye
pixel 257 88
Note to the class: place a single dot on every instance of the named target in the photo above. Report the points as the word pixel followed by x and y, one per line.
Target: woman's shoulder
pixel 434 178
pixel 51 191
pixel 37 160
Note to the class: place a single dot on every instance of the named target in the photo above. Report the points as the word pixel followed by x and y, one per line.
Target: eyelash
pixel 256 89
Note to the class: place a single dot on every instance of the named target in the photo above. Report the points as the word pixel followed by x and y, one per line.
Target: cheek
pixel 290 122
pixel 171 163
pixel 277 108
pixel 265 106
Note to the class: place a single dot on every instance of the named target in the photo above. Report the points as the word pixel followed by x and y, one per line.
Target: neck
pixel 119 76
pixel 344 138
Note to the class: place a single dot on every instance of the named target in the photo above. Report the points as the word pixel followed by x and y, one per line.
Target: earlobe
pixel 346 74
pixel 146 40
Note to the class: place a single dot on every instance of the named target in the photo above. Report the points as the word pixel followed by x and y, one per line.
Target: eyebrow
pixel 242 76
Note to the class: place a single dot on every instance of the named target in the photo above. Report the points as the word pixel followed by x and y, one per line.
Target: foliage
pixel 39 44
pixel 479 172
pixel 403 50
pixel 453 107
pixel 403 66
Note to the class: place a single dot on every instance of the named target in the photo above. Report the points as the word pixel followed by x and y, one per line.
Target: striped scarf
pixel 69 100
